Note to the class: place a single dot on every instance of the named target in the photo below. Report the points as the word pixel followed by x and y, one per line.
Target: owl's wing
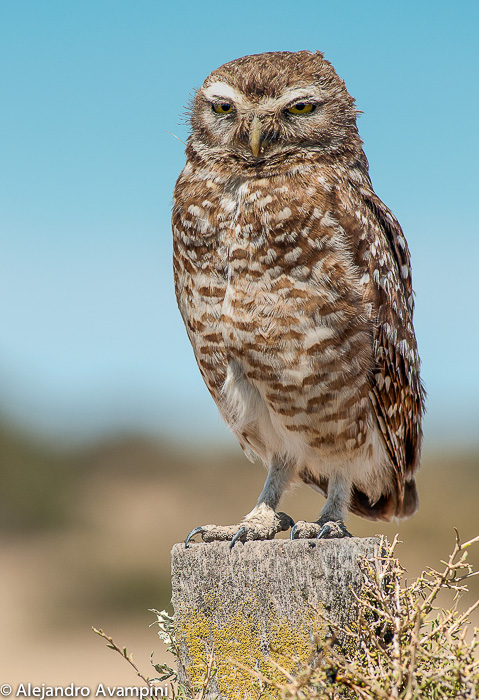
pixel 382 255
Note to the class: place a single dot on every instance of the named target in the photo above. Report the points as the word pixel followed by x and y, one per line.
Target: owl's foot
pixel 320 530
pixel 261 524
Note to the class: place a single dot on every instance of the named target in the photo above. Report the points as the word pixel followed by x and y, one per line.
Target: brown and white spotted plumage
pixel 294 283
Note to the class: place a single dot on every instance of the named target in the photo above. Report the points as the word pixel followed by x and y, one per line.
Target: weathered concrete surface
pixel 257 601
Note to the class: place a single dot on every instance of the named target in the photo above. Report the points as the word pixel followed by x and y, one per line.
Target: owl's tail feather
pixel 388 506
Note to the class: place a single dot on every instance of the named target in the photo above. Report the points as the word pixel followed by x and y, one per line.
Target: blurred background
pixel 111 449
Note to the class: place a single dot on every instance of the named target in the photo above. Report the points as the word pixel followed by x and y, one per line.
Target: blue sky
pixel 91 338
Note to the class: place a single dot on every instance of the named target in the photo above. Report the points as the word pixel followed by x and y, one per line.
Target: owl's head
pixel 261 107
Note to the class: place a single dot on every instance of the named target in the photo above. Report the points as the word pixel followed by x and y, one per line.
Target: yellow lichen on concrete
pixel 291 646
pixel 238 639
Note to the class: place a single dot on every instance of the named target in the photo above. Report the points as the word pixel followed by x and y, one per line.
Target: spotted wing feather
pixel 396 392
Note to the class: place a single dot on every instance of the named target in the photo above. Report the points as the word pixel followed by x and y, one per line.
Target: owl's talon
pixel 194 532
pixel 294 529
pixel 261 524
pixel 320 530
pixel 333 530
pixel 324 532
pixel 242 531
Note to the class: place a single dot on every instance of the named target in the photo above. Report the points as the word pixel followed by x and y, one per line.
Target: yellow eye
pixel 223 108
pixel 301 108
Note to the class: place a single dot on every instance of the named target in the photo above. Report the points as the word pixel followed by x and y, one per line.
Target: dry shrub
pixel 404 645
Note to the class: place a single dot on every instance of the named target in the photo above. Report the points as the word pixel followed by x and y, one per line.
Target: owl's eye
pixel 223 108
pixel 301 108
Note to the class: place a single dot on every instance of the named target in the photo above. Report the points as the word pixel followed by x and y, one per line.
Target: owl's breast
pixel 267 263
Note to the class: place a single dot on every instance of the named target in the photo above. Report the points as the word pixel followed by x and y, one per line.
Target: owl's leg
pixel 263 522
pixel 330 523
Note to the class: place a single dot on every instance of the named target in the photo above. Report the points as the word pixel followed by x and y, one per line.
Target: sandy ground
pixel 42 641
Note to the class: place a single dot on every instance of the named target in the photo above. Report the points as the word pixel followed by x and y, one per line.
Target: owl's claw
pixel 242 531
pixel 194 532
pixel 333 530
pixel 320 530
pixel 294 529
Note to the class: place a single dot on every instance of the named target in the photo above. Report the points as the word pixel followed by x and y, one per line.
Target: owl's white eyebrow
pixel 222 91
pixel 298 94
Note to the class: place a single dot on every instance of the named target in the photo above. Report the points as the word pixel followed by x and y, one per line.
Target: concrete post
pixel 259 601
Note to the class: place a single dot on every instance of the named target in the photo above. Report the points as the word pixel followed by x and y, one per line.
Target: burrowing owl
pixel 294 283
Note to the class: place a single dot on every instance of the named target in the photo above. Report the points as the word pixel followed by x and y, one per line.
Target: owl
pixel 294 283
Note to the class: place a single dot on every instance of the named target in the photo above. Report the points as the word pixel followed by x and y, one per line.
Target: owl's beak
pixel 255 136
